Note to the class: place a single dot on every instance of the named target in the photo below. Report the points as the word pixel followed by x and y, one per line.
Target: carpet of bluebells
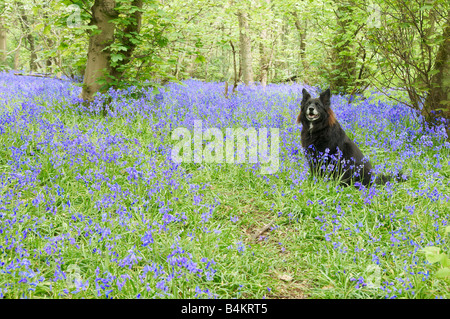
pixel 93 206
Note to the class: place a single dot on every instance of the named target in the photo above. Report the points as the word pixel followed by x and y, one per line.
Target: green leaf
pixel 47 29
pixel 39 27
pixel 200 59
pixel 426 7
pixel 443 273
pixel 115 57
pixel 122 48
pixel 445 262
pixel 447 230
pixel 63 46
pixel 162 42
pixel 433 72
pixel 432 254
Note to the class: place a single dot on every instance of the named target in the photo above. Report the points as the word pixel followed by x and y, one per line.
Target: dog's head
pixel 315 110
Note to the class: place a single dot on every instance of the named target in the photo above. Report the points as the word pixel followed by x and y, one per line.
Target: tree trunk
pixel 98 68
pixel 16 59
pixel 343 57
pixel 49 61
pixel 192 67
pixel 302 33
pixel 128 40
pixel 179 64
pixel 2 42
pixel 245 48
pixel 265 60
pixel 438 99
pixel 234 67
pixel 30 38
pixel 265 55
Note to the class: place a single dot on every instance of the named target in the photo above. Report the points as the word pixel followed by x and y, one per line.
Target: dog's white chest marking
pixel 310 126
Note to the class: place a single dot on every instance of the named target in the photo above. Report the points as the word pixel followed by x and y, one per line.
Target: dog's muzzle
pixel 312 114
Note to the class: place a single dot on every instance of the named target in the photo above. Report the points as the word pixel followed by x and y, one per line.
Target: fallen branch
pixel 52 76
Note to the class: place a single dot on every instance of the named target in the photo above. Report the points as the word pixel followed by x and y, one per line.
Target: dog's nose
pixel 311 109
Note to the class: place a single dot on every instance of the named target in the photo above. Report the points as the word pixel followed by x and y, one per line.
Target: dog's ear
pixel 306 96
pixel 325 98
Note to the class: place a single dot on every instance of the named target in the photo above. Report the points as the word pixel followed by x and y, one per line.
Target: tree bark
pixel 438 99
pixel 29 36
pixel 302 33
pixel 265 59
pixel 98 65
pixel 234 67
pixel 267 54
pixel 2 42
pixel 16 59
pixel 192 67
pixel 264 53
pixel 180 60
pixel 344 61
pixel 245 48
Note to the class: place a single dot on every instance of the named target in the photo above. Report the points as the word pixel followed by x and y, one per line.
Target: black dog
pixel 329 151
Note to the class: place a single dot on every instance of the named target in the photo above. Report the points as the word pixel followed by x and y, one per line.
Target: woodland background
pixel 346 45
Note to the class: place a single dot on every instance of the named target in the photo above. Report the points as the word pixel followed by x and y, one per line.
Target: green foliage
pixel 145 63
pixel 405 46
pixel 433 255
pixel 348 45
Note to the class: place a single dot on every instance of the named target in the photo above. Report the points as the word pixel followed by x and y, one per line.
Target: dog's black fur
pixel 328 149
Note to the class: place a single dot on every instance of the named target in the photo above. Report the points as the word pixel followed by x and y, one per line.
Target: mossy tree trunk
pixel 437 102
pixel 127 37
pixel 98 67
pixel 2 41
pixel 343 73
